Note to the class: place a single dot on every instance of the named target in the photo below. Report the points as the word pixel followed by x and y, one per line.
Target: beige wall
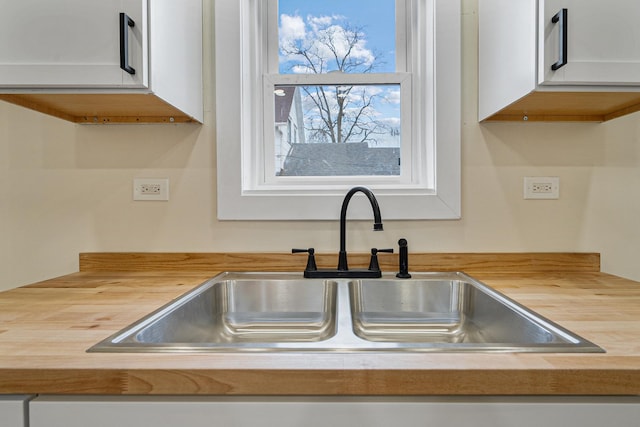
pixel 66 189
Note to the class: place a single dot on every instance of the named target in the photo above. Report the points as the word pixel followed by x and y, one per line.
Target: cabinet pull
pixel 125 23
pixel 563 18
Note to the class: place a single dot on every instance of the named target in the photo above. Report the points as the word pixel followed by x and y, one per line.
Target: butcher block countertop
pixel 46 328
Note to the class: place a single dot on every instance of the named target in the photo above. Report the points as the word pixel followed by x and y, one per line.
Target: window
pixel 351 129
pixel 308 107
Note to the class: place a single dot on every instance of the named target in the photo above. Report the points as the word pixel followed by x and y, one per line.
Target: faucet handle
pixel 311 260
pixel 373 263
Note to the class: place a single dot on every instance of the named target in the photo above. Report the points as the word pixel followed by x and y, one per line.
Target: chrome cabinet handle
pixel 125 23
pixel 563 18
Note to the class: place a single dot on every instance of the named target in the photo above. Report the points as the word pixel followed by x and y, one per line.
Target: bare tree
pixel 343 113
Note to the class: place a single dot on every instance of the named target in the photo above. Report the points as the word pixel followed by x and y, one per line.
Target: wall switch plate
pixel 151 189
pixel 541 187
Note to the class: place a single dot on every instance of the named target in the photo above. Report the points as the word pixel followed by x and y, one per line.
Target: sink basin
pixel 446 311
pixel 285 312
pixel 236 311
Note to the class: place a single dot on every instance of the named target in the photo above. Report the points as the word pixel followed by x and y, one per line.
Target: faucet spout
pixel 377 224
pixel 373 272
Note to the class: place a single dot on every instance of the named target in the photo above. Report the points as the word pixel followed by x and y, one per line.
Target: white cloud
pixel 292 28
pixel 393 97
pixel 340 41
pixel 301 69
pixel 325 37
pixel 317 22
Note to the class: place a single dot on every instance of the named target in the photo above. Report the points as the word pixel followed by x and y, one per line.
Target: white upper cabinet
pixel 72 43
pixel 558 60
pixel 97 61
pixel 602 40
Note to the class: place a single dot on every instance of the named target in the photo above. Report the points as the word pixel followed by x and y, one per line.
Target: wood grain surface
pixel 570 106
pixel 46 328
pixel 213 262
pixel 101 108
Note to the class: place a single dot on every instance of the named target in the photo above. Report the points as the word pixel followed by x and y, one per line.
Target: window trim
pixel 441 201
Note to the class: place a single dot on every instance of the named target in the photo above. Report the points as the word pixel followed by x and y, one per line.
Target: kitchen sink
pixel 447 312
pixel 253 311
pixel 237 311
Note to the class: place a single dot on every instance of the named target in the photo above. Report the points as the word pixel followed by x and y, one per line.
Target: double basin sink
pixel 242 312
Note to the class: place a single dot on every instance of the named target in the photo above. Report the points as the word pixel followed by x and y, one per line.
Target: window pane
pixel 349 36
pixel 341 130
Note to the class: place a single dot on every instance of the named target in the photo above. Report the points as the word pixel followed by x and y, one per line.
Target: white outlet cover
pixel 531 182
pixel 162 195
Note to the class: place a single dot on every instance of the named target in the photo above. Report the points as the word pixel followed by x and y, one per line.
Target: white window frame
pixel 242 87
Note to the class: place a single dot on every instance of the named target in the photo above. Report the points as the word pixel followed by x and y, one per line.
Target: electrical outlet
pixel 147 189
pixel 151 189
pixel 541 187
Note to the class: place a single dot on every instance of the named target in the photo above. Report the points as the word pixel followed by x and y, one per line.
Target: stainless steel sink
pixel 238 311
pixel 285 312
pixel 448 311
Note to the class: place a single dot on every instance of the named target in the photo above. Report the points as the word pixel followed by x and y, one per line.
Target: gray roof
pixel 326 159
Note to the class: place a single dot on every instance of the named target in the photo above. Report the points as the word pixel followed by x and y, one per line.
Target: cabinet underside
pixel 102 108
pixel 569 107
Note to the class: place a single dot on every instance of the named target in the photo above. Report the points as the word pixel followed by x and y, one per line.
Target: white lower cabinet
pixel 13 410
pixel 55 411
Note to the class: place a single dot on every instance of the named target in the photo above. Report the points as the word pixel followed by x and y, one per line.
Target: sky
pixel 377 17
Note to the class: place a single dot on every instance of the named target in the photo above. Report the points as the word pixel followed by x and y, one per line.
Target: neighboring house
pixel 289 125
pixel 354 158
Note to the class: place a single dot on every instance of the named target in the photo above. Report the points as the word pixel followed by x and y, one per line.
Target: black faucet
pixel 377 222
pixel 343 266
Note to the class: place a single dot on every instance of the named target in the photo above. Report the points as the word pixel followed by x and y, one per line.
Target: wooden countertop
pixel 45 329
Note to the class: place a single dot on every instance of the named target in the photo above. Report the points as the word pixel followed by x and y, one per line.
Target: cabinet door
pixel 13 411
pixel 603 42
pixel 105 411
pixel 71 43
